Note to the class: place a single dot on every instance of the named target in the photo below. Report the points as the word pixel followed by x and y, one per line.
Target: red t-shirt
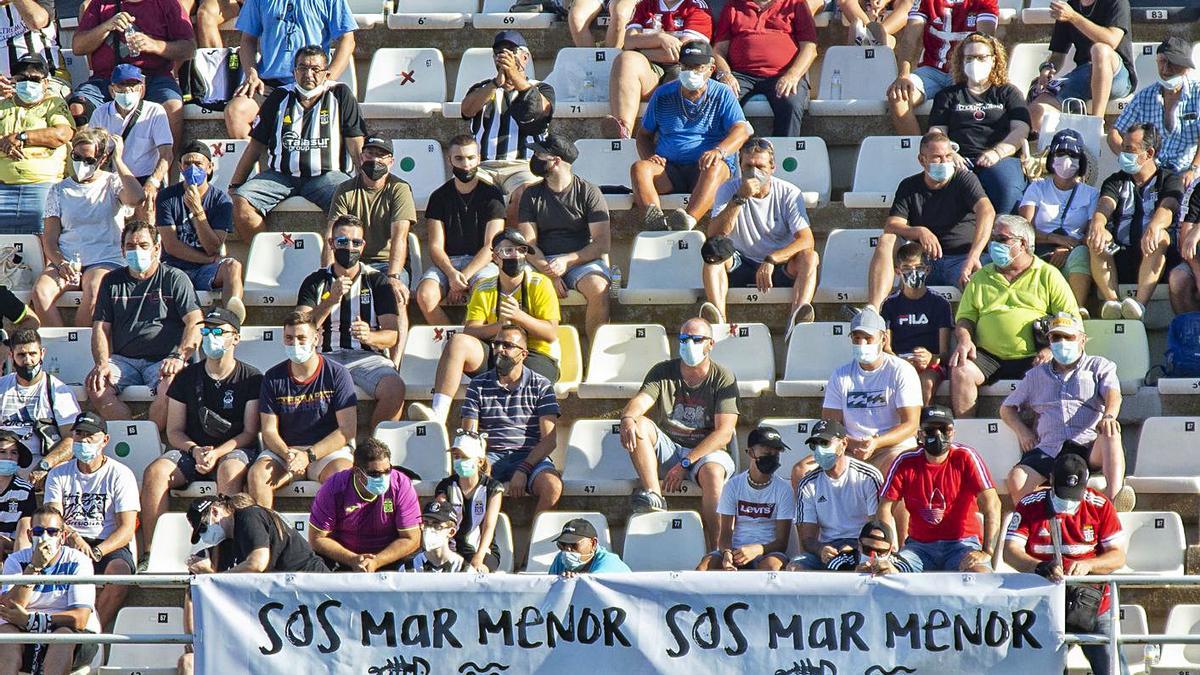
pixel 939 40
pixel 940 498
pixel 763 43
pixel 160 19
pixel 689 20
pixel 1090 531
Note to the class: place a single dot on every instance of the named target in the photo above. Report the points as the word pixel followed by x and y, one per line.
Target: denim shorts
pixel 203 276
pixel 938 556
pixel 670 453
pixel 134 372
pixel 1078 83
pixel 458 262
pixel 159 89
pixel 267 188
pixel 812 561
pixel 382 268
pixel 367 369
pixel 23 206
pixel 743 273
pixel 573 275
pixel 931 80
pixel 504 465
pixel 186 463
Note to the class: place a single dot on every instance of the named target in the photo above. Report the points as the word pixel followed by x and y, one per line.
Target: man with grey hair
pixel 994 330
pixel 680 424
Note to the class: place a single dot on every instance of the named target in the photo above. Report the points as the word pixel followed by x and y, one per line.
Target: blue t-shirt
pixel 687 130
pixel 284 26
pixel 173 213
pixel 604 561
pixel 915 323
pixel 307 410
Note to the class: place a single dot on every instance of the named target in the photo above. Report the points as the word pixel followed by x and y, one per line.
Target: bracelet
pixel 525 468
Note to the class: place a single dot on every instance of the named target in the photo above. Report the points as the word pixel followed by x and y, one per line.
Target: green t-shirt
pixel 684 413
pixel 1004 313
pixel 378 209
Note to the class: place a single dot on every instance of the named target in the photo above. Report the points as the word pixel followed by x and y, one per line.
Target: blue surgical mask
pixel 377 485
pixel 825 458
pixel 85 452
pixel 1128 161
pixel 1067 506
pixel 692 353
pixel 574 560
pixel 298 353
pixel 126 99
pixel 8 467
pixel 213 535
pixel 465 467
pixel 193 175
pixel 865 354
pixel 692 79
pixel 1001 254
pixel 214 346
pixel 941 172
pixel 29 92
pixel 139 259
pixel 1065 352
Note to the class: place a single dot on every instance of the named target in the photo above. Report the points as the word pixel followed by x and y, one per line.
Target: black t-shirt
pixel 1193 208
pixel 255 527
pixel 1135 206
pixel 470 510
pixel 11 307
pixel 227 398
pixel 147 314
pixel 1105 13
pixel 977 123
pixel 948 212
pixel 16 502
pixel 915 323
pixel 562 219
pixel 464 218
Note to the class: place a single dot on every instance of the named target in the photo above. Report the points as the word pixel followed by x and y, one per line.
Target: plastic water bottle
pixel 77 266
pixel 835 85
pixel 614 288
pixel 52 365
pixel 131 31
pixel 589 89
pixel 1153 654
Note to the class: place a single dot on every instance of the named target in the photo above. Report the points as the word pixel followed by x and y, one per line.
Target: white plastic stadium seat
pixel 595 463
pixel 68 355
pixel 504 540
pixel 815 350
pixel 419 162
pixel 171 546
pixel 606 162
pixel 665 268
pixel 864 73
pixel 134 443
pixel 369 13
pixel 477 64
pixel 77 67
pixel 1161 467
pixel 1009 9
pixel 1038 12
pixel 580 80
pixel 1155 542
pixel 432 14
pixel 1125 344
pixel 226 152
pixel 663 541
pixel 495 16
pixel 883 161
pixel 620 356
pixel 261 346
pixel 746 349
pixel 349 76
pixel 405 83
pixel 1180 659
pixel 421 355
pixel 421 447
pixel 277 263
pixel 843 265
pixel 996 444
pixel 1133 622
pixel 794 431
pixel 804 162
pixel 145 659
pixel 548 525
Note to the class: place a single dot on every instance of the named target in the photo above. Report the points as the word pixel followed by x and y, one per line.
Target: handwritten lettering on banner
pixel 781 624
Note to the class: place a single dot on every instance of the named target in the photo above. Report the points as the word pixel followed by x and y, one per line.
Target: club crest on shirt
pixel 387 506
pixel 227 400
pixel 1089 533
pixel 324 117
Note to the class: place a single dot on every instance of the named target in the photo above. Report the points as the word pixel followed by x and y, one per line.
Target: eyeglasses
pixel 347 242
pixel 90 161
pixel 505 345
pixel 1002 239
pixel 696 339
pixel 511 252
pixel 819 444
pixel 310 69
pixel 39 531
pixel 377 474
pixel 215 330
pixel 969 58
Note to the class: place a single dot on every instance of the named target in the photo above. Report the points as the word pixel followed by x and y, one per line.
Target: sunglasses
pixel 759 144
pixel 377 474
pixel 867 550
pixel 347 242
pixel 562 546
pixel 39 531
pixel 29 78
pixel 90 161
pixel 697 339
pixel 215 330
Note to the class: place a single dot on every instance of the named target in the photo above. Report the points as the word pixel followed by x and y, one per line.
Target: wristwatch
pixel 685 463
pixel 44 465
pixel 23 137
pixel 312 456
pixel 96 552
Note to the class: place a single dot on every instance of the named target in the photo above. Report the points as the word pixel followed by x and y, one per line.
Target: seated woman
pixel 476 497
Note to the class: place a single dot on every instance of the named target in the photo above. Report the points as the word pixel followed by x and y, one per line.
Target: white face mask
pixel 692 80
pixel 214 534
pixel 1065 506
pixel 977 72
pixel 1171 83
pixel 1065 167
pixel 434 538
pixel 865 354
pixel 309 93
pixel 83 172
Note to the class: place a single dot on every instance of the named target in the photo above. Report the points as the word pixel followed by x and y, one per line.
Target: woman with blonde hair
pixel 987 117
pixel 476 498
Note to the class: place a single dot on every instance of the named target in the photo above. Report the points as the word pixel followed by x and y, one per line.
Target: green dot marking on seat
pixel 122 449
pixel 407 164
pixel 790 164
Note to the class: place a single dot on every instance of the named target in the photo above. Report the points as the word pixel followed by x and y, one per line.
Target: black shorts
pixel 1129 259
pixel 683 176
pixel 995 368
pixel 83 654
pixel 1043 464
pixel 122 553
pixel 745 274
pixel 539 363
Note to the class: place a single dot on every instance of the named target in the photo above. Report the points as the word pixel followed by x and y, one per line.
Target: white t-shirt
pixel 841 505
pixel 1049 202
pixel 92 217
pixel 869 400
pixel 91 501
pixel 141 145
pixel 756 510
pixel 21 406
pixel 764 225
pixel 58 598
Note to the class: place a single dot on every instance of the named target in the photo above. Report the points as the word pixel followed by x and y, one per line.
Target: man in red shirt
pixel 653 39
pixel 765 47
pixel 1091 538
pixel 943 485
pixel 934 28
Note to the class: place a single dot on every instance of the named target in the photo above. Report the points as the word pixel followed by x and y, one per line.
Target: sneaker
pixel 802 314
pixel 236 306
pixel 1125 500
pixel 1110 310
pixel 654 220
pixel 711 314
pixel 1084 314
pixel 612 127
pixel 420 412
pixel 849 312
pixel 645 501
pixel 1132 309
pixel 877 32
pixel 680 221
pixel 143 562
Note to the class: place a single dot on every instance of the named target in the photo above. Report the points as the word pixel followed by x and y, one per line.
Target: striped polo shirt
pixel 510 417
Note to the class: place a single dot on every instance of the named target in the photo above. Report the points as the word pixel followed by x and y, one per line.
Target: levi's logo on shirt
pixel 866 399
pixel 753 510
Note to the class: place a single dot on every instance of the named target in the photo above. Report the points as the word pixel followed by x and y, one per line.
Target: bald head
pixel 696 326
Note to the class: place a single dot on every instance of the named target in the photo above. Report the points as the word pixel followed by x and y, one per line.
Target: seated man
pixel 53 608
pixel 356 315
pixel 759 236
pixel 1076 399
pixel 994 328
pixel 834 499
pixel 1132 237
pixel 756 511
pixel 1100 33
pixel 653 43
pixel 98 497
pixel 945 210
pixel 366 518
pixel 307 154
pixel 517 409
pixel 212 423
pixel 439 525
pixel 691 130
pixel 36 406
pixel 580 552
pixel 769 58
pixel 194 219
pixel 135 341
pixel 877 396
pixel 875 554
pixel 308 414
pixel 943 486
pixel 462 219
pixel 565 220
pixel 1177 92
pixel 518 295
pixel 919 321
pixel 680 424
pixel 143 127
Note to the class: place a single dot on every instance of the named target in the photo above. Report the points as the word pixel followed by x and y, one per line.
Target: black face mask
pixel 27 373
pixel 346 257
pixel 374 169
pixel 464 175
pixel 511 267
pixel 539 167
pixel 936 443
pixel 767 464
pixel 505 364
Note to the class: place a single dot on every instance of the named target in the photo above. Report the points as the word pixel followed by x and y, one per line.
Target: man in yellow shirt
pixel 35 127
pixel 994 329
pixel 518 295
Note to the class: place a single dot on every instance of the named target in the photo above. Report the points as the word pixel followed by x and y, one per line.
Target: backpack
pixel 1183 346
pixel 210 77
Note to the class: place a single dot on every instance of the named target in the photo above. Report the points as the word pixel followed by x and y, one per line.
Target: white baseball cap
pixel 473 446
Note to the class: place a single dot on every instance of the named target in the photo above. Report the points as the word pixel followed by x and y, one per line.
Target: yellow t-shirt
pixel 1004 313
pixel 41 165
pixel 541 303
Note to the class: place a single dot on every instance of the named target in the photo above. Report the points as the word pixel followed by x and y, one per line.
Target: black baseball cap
pixel 826 430
pixel 90 423
pixel 379 144
pixel 30 60
pixel 24 457
pixel 1177 52
pixel 511 37
pixel 438 512
pixel 1070 476
pixel 197 147
pixel 196 513
pixel 220 315
pixel 557 145
pixel 510 234
pixel 938 414
pixel 576 530
pixel 696 53
pixel 768 436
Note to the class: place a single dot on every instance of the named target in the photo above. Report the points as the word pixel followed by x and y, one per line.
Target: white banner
pixel 692 622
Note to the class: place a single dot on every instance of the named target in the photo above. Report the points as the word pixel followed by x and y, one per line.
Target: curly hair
pixel 999 75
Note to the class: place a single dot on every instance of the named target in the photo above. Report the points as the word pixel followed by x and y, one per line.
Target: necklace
pixel 757 486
